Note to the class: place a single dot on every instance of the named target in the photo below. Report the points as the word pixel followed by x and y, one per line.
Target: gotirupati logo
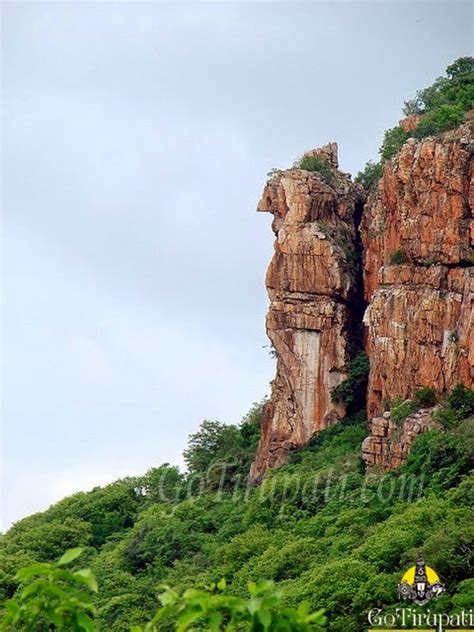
pixel 420 583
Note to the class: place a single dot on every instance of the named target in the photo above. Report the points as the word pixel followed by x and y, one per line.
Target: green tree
pixel 456 88
pixel 393 140
pixel 444 117
pixel 370 175
pixel 219 455
pixel 441 107
pixel 163 484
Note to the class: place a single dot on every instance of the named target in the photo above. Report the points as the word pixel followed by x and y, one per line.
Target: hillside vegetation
pixel 319 527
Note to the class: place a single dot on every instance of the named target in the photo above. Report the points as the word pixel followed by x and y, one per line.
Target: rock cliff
pixel 312 283
pixel 418 272
pixel 415 238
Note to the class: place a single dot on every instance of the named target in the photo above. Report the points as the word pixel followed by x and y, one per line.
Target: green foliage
pixel 443 458
pixel 164 535
pixel 250 426
pixel 398 257
pixel 464 599
pixel 163 484
pixel 46 540
pixel 458 405
pixel 457 88
pixel 439 120
pixel 98 515
pixel 425 397
pixel 462 70
pixel 334 583
pixel 352 391
pixel 334 442
pixel 218 456
pixel 214 610
pixel 441 106
pixel 52 597
pixel 401 409
pixel 371 173
pixel 212 441
pixel 461 399
pixel 318 164
pixel 58 599
pixel 447 417
pixel 393 140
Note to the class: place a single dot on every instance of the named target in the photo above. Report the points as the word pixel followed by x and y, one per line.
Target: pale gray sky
pixel 136 139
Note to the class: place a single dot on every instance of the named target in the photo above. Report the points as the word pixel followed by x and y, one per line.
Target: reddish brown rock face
pixel 311 282
pixel 419 318
pixel 389 444
pixel 410 122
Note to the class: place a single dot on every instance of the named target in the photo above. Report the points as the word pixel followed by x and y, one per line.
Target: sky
pixel 136 138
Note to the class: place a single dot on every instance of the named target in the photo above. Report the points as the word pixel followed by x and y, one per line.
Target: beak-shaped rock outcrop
pixel 312 282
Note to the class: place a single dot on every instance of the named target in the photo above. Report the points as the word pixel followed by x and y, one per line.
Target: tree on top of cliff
pixel 318 164
pixel 457 88
pixel 440 107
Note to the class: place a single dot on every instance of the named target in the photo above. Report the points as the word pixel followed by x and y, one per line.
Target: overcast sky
pixel 136 140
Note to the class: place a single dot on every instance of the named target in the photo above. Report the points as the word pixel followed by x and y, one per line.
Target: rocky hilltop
pixel 392 271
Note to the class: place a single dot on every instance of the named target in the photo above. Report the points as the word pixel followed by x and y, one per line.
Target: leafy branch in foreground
pixel 51 597
pixel 211 609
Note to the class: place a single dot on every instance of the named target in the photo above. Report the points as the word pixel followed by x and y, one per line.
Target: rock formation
pixel 389 443
pixel 418 273
pixel 312 285
pixel 416 241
